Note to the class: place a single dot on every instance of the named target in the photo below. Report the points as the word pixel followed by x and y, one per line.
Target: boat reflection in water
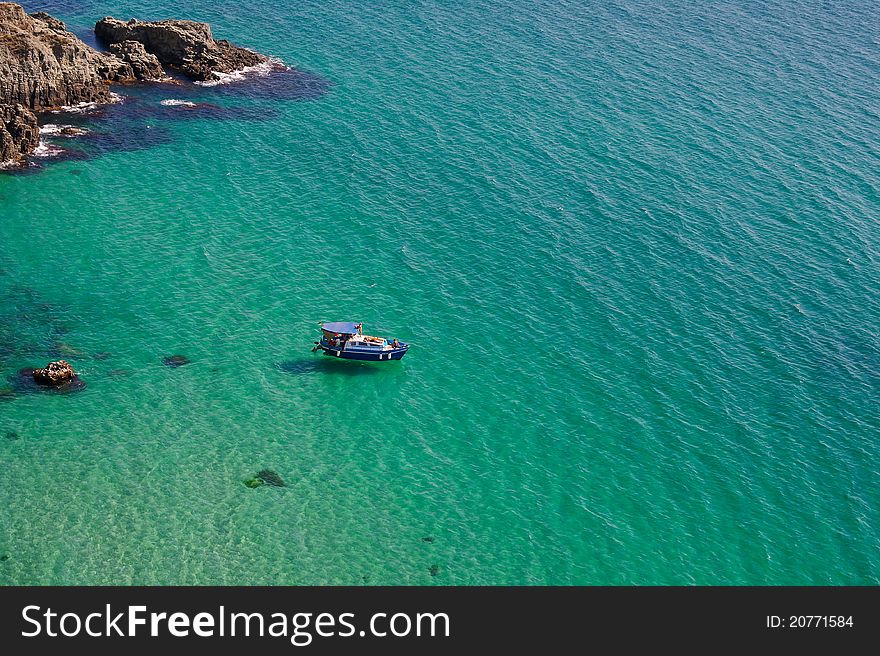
pixel 345 339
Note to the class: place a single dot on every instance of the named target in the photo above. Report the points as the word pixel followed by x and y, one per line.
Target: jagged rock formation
pixel 42 65
pixel 19 132
pixel 186 46
pixel 144 66
pixel 55 373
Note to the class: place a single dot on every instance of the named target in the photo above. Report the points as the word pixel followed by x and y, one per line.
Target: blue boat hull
pixel 378 356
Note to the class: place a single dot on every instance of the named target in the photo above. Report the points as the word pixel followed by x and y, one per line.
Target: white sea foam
pixel 173 102
pixel 47 150
pixel 53 129
pixel 258 70
pixel 81 108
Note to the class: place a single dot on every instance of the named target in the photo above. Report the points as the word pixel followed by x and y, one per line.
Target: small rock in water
pixel 54 373
pixel 11 435
pixel 4 558
pixel 175 360
pixel 254 482
pixel 435 570
pixel 271 478
pixel 51 379
pixel 427 539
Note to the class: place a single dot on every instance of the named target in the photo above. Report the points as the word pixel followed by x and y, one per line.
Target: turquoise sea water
pixel 635 246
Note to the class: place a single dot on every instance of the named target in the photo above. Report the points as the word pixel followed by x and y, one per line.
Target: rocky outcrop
pixel 186 46
pixel 55 374
pixel 144 65
pixel 51 21
pixel 42 65
pixel 19 132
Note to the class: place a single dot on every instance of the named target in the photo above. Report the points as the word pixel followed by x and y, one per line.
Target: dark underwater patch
pixel 265 477
pixel 175 361
pixel 298 366
pixel 280 84
pixel 327 365
pixel 31 329
pixel 139 121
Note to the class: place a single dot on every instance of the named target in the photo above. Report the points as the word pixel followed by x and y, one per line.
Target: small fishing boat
pixel 345 339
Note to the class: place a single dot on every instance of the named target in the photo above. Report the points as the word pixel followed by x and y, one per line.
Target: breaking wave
pixel 262 69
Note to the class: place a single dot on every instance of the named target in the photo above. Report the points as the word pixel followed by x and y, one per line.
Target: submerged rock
pixel 175 361
pixel 186 46
pixel 55 373
pixel 11 435
pixel 271 478
pixel 265 477
pixel 428 539
pixel 435 570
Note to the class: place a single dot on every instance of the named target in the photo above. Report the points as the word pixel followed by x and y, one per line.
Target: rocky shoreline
pixel 44 67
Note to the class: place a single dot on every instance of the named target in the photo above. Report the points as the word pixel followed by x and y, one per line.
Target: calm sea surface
pixel 634 244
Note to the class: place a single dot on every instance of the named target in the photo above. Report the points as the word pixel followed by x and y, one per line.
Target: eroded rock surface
pixel 186 46
pixel 19 132
pixel 144 65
